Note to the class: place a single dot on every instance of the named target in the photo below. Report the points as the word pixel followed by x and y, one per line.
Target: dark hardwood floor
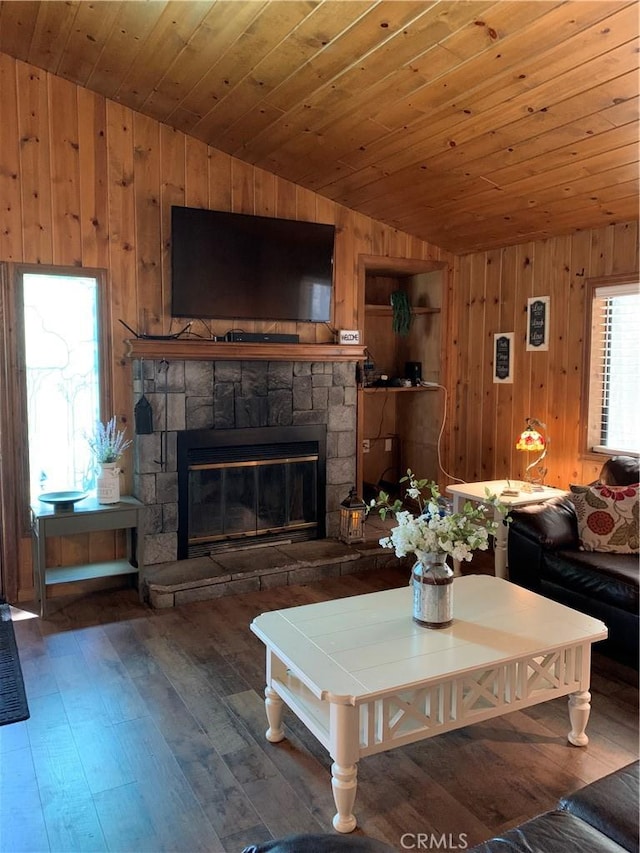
pixel 147 734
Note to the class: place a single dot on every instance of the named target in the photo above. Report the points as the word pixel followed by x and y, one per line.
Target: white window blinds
pixel 615 376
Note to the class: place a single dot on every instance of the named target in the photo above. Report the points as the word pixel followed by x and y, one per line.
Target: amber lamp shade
pixel 533 441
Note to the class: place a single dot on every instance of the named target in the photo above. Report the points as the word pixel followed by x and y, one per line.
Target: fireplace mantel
pixel 201 350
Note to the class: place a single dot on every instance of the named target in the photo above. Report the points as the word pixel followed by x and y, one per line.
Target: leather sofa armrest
pixel 610 806
pixel 535 529
pixel 551 832
pixel 620 471
pixel 552 524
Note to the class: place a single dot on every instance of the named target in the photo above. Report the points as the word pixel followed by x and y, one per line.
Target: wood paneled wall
pixel 85 181
pixel 490 295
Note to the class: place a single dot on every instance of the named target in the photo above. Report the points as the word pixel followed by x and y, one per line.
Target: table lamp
pixel 533 441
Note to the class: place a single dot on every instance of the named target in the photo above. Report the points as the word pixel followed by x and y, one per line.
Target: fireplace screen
pixel 261 491
pixel 251 498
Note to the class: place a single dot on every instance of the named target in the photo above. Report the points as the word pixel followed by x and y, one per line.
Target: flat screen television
pixel 237 266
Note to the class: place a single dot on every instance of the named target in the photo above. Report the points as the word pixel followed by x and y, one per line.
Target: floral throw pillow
pixel 607 517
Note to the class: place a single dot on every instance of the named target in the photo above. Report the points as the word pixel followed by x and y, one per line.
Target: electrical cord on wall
pixel 440 433
pixel 444 420
pixel 191 334
pixel 333 331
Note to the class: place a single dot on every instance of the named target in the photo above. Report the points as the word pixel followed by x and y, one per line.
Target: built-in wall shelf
pixel 383 310
pixel 393 389
pixel 202 350
pixel 409 420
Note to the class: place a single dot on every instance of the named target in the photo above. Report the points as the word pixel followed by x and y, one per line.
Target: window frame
pixel 15 500
pixel 586 404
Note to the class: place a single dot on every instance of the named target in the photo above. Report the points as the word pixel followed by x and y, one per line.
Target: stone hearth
pixel 189 394
pixel 203 578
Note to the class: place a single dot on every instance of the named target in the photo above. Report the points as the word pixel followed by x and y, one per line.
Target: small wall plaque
pixel 503 357
pixel 538 323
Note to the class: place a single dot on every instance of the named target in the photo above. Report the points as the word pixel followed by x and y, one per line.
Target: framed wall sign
pixel 538 323
pixel 503 357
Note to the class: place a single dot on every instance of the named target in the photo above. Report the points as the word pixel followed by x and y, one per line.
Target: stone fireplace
pixel 288 402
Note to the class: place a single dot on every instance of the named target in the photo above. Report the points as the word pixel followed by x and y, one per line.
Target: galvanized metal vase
pixel 432 581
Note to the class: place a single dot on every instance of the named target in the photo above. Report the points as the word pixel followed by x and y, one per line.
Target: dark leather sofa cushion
pixel 602 816
pixel 612 578
pixel 552 832
pixel 320 843
pixel 610 805
pixel 552 524
pixel 620 471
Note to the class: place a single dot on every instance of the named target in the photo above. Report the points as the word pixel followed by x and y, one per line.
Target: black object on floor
pixel 13 699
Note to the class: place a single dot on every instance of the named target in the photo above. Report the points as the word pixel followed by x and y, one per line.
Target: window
pixel 613 392
pixel 62 374
pixel 42 320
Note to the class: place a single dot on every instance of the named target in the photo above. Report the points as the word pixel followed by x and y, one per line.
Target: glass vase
pixel 432 581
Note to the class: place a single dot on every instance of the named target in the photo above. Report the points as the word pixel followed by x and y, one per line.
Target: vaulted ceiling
pixel 469 124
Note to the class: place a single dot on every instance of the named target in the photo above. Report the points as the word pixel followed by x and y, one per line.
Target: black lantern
pixel 353 511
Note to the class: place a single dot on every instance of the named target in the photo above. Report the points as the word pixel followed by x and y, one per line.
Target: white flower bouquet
pixel 434 530
pixel 108 443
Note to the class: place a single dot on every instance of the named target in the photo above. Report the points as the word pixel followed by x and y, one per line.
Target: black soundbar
pixel 261 338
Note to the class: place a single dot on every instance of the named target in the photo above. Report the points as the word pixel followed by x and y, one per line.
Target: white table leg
pixel 273 707
pixel 579 708
pixel 344 783
pixel 500 555
pixel 344 770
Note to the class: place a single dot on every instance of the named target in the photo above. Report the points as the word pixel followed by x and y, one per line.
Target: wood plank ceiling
pixel 469 124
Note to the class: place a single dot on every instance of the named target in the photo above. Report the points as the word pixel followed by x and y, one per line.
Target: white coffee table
pixel 364 677
pixel 478 492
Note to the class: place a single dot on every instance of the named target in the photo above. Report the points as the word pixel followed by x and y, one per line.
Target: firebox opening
pixel 249 485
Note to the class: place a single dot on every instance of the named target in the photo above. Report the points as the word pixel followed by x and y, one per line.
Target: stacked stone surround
pixel 187 394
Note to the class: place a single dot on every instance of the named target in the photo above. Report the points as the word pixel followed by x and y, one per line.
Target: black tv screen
pixel 236 266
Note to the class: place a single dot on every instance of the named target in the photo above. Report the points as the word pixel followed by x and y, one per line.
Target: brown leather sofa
pixel 545 557
pixel 599 818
